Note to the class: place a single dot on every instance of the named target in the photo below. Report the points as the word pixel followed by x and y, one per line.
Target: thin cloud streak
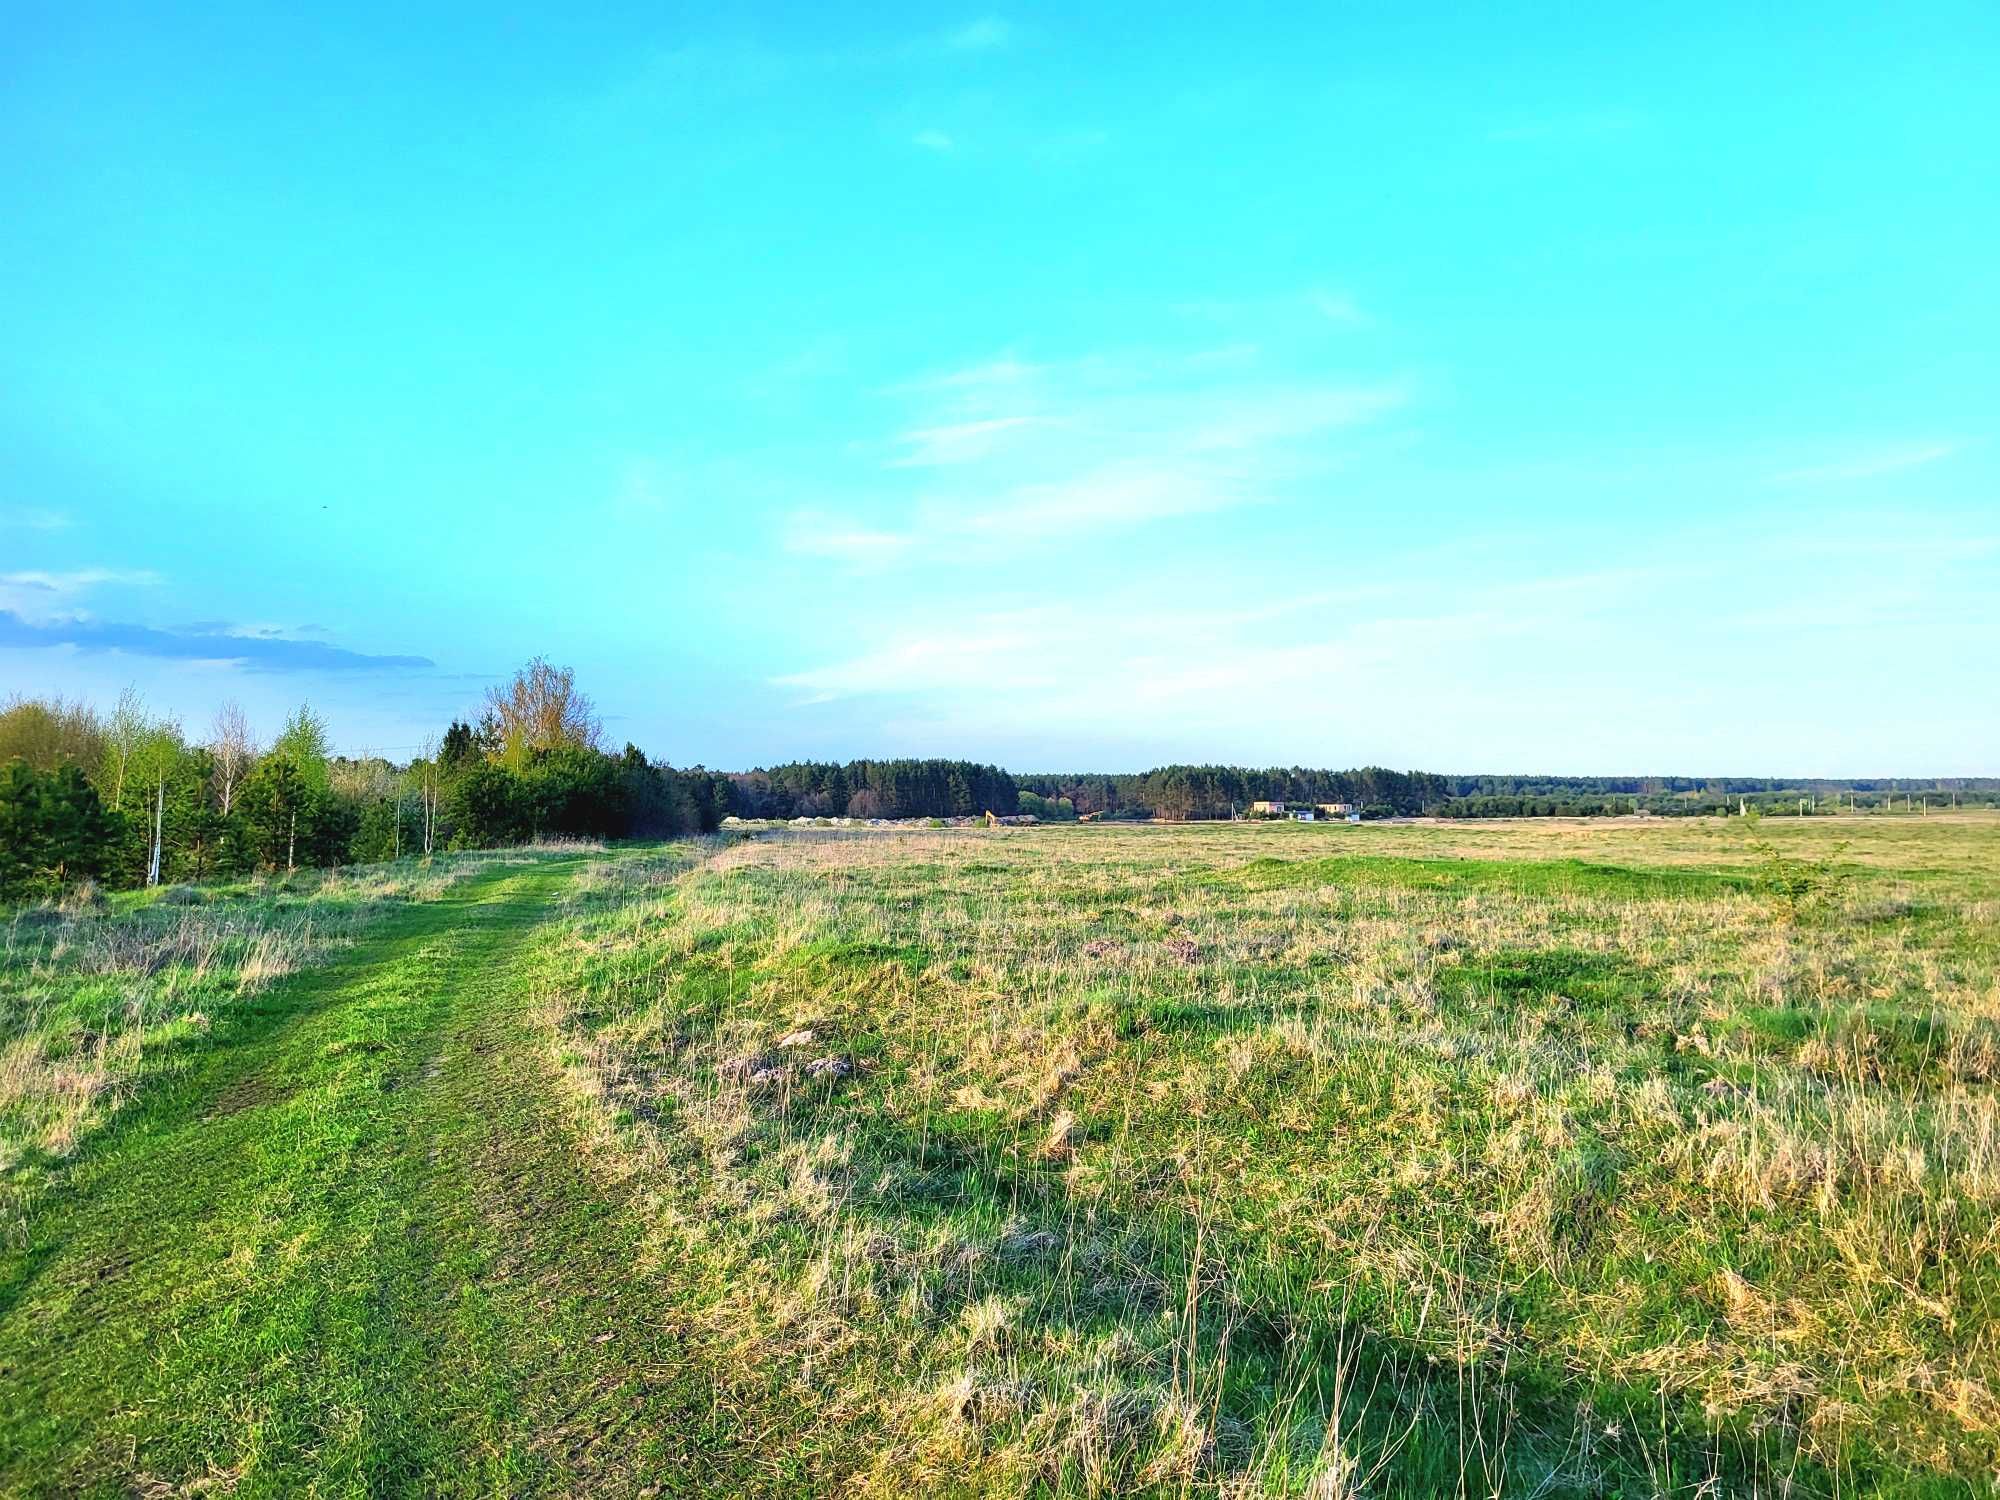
pixel 1098 443
pixel 814 535
pixel 955 443
pixel 1868 466
pixel 76 580
pixel 256 653
pixel 33 518
pixel 35 594
pixel 1113 496
pixel 983 35
pixel 672 80
pixel 1004 372
pixel 1338 307
pixel 1402 660
pixel 1156 651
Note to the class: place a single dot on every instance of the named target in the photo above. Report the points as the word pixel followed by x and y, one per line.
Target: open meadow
pixel 1021 752
pixel 1635 1158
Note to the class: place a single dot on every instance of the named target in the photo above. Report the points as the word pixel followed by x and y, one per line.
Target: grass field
pixel 1527 1159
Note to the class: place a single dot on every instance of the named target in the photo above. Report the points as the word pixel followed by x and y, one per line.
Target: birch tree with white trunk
pixel 124 732
pixel 234 750
pixel 151 764
pixel 427 777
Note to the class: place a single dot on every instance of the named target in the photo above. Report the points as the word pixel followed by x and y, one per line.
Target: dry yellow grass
pixel 1577 1145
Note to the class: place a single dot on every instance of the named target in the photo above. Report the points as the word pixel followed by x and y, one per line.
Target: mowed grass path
pixel 358 1250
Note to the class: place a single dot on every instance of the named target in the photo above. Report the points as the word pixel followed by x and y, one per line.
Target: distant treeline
pixel 1733 786
pixel 128 799
pixel 1188 792
pixel 1693 796
pixel 873 789
pixel 951 788
pixel 1180 793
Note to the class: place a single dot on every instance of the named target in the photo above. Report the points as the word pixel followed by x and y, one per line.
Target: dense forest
pixel 130 799
pixel 873 789
pixel 1184 792
pixel 1179 793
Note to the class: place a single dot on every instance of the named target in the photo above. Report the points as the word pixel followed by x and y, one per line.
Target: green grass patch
pixel 1555 877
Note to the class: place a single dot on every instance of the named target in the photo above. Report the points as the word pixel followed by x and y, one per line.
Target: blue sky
pixel 1473 388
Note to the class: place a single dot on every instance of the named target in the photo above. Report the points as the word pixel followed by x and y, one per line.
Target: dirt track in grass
pixel 358 1249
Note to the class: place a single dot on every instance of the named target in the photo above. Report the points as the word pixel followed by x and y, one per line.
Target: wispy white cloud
pixel 1004 372
pixel 1113 496
pixel 691 75
pixel 956 442
pixel 1417 664
pixel 36 595
pixel 1870 464
pixel 1324 675
pixel 983 35
pixel 812 534
pixel 32 518
pixel 932 140
pixel 77 579
pixel 1093 444
pixel 1281 413
pixel 1209 664
pixel 994 648
pixel 1337 307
